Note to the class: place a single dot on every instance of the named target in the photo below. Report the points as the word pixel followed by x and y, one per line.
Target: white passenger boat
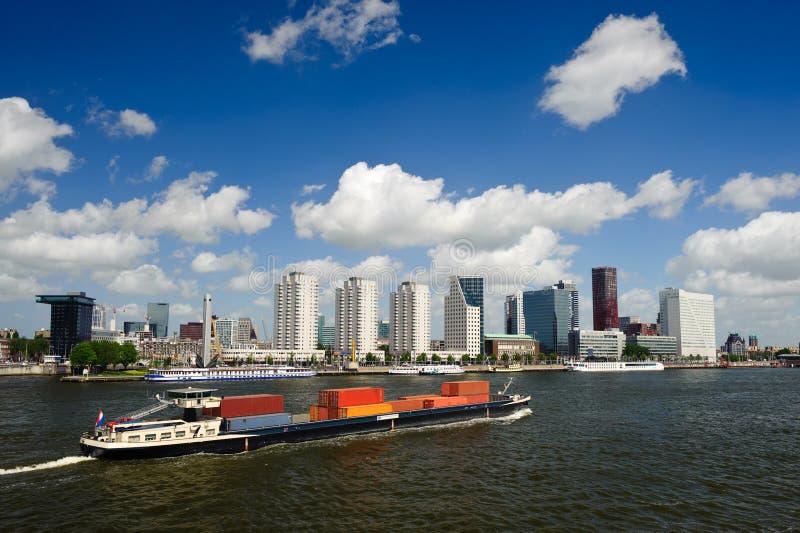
pixel 435 370
pixel 513 367
pixel 228 373
pixel 614 366
pixel 405 370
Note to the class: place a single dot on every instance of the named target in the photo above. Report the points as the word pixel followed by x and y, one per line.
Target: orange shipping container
pixel 350 397
pixel 477 398
pixel 365 410
pixel 420 397
pixel 464 388
pixel 407 405
pixel 445 402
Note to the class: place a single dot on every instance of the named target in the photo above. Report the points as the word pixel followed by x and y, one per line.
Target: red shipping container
pixel 447 401
pixel 464 388
pixel 477 398
pixel 350 397
pixel 255 404
pixel 407 405
pixel 212 411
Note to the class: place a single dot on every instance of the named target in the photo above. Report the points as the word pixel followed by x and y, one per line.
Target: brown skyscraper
pixel 604 298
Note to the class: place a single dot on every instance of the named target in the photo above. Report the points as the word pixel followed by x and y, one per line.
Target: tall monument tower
pixel 206 330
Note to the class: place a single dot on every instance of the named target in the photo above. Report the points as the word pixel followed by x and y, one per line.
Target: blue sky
pixel 271 98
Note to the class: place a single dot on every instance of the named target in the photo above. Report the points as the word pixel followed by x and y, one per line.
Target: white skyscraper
pixel 410 319
pixel 689 316
pixel 462 322
pixel 357 316
pixel 296 310
pixel 227 330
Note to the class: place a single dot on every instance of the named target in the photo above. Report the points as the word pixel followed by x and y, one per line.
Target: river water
pixel 680 449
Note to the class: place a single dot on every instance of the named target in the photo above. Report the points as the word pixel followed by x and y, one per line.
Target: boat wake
pixel 64 461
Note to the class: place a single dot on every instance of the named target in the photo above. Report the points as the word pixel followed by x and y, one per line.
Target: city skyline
pixel 405 144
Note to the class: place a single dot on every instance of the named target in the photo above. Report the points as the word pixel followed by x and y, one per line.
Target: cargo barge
pixel 225 425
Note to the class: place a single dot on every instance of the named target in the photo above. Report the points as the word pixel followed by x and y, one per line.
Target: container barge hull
pixel 243 441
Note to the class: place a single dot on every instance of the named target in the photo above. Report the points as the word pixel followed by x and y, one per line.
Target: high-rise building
pixel 227 330
pixel 752 341
pixel 689 316
pixel 604 298
pixel 625 321
pixel 357 317
pixel 130 326
pixel 159 319
pixel 515 318
pixel 246 333
pixel 472 289
pixel 462 320
pixel 99 317
pixel 296 313
pixel 70 320
pixel 326 334
pixel 574 301
pixel 410 319
pixel 549 317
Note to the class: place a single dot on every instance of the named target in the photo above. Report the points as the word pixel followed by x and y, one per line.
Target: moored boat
pixel 225 373
pixel 513 367
pixel 212 423
pixel 614 366
pixel 436 370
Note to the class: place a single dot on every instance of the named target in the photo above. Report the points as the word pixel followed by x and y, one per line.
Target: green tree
pixel 451 359
pixel 128 355
pixel 465 359
pixel 269 360
pixel 15 335
pixel 783 351
pixel 39 346
pixel 517 357
pixel 436 359
pixel 107 353
pixel 493 358
pixel 421 358
pixel 505 358
pixel 370 357
pixel 406 357
pixel 249 359
pixel 82 355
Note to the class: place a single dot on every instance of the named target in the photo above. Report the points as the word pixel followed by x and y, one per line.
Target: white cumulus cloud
pixel 206 262
pixel 349 26
pixel 759 258
pixel 310 189
pixel 125 123
pixel 624 54
pixel 398 209
pixel 639 302
pixel 145 279
pixel 27 144
pixel 747 193
pixel 156 168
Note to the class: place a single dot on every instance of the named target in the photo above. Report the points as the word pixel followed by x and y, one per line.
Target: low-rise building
pixel 660 346
pixel 509 344
pixel 112 335
pixel 8 333
pixel 607 344
pixel 257 353
pixel 191 330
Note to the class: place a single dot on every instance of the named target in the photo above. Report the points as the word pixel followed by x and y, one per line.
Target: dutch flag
pixel 100 419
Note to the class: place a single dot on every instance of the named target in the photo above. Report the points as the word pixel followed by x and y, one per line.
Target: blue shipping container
pixel 244 423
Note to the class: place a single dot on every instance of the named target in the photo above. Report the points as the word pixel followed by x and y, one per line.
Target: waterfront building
pixel 604 298
pixel 510 344
pixel 689 317
pixel 42 332
pixel 227 330
pixel 549 318
pixel 8 333
pixel 191 330
pixel 633 325
pixel 515 317
pixel 5 349
pixel 437 345
pixel 70 320
pixel 356 305
pixel 296 313
pixel 752 341
pixel 158 314
pixel 625 321
pixel 607 344
pixel 660 346
pixel 463 324
pixel 574 302
pixel 258 353
pixel 246 332
pixel 734 345
pixel 410 319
